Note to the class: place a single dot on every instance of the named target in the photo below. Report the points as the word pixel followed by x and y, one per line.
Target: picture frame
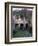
pixel 19 27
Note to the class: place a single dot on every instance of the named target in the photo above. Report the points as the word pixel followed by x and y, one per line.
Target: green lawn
pixel 22 34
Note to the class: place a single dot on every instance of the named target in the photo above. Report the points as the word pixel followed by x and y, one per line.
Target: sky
pixel 14 9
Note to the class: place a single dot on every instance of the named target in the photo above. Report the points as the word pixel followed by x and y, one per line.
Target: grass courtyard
pixel 21 33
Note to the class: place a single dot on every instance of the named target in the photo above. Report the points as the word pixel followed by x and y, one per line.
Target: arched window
pixel 26 25
pixel 21 26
